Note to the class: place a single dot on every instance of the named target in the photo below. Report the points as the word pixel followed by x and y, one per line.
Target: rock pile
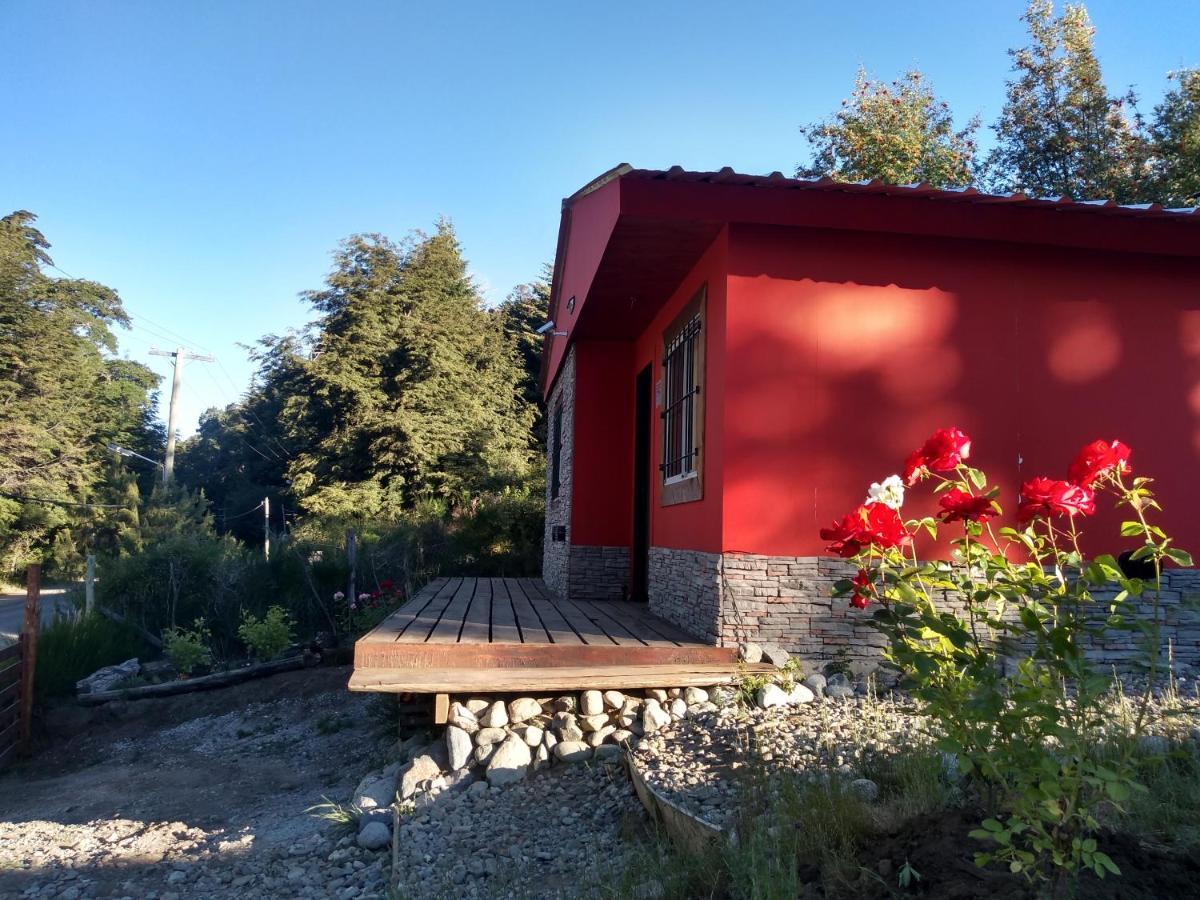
pixel 501 743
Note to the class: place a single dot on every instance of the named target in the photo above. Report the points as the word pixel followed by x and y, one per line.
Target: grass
pixel 74 646
pixel 342 818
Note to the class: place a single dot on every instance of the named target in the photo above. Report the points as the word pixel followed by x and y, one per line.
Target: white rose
pixel 889 492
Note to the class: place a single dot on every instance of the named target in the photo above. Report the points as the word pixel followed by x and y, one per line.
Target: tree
pixel 238 454
pixel 411 390
pixel 522 312
pixel 1060 132
pixel 1175 143
pixel 899 133
pixel 63 397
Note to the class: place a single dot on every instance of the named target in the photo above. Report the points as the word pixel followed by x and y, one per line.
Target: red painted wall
pixel 605 372
pixel 845 349
pixel 695 525
pixel 591 222
pixel 602 505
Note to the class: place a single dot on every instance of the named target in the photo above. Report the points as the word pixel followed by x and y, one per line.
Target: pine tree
pixel 63 397
pixel 1175 143
pixel 411 391
pixel 898 133
pixel 1060 132
pixel 522 312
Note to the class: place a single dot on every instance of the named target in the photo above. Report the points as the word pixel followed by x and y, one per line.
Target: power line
pixel 225 518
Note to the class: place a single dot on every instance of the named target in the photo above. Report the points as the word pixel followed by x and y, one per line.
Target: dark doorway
pixel 643 406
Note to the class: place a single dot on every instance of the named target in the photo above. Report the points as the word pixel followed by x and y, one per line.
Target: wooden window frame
pixel 689 487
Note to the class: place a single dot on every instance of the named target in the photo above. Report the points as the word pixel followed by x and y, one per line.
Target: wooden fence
pixel 16 677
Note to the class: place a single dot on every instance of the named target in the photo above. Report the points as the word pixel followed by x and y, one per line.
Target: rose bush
pixel 1033 741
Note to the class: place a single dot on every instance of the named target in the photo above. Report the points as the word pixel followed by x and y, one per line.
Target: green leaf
pixel 1179 557
pixel 1106 861
pixel 1131 529
pixel 1118 791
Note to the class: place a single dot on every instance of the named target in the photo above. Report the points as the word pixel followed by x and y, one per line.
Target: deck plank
pixel 616 632
pixel 477 625
pixel 451 623
pixel 638 619
pixel 559 629
pixel 504 618
pixel 633 620
pixel 533 631
pixel 563 678
pixel 395 624
pixel 427 619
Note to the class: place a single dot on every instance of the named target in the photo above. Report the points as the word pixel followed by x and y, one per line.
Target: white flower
pixel 889 492
pixel 339 596
pixel 364 597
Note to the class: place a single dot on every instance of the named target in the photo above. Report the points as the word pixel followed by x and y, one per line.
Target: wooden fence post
pixel 29 633
pixel 89 585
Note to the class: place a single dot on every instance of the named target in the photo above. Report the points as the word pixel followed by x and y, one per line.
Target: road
pixel 12 611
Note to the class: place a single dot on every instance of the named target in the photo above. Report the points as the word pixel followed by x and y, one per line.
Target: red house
pixel 734 358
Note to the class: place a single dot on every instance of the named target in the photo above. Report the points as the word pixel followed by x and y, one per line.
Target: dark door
pixel 643 406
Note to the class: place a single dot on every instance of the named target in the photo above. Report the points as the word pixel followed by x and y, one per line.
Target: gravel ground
pixel 550 836
pixel 199 795
pixel 699 762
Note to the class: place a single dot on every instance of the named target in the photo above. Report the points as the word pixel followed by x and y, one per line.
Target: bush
pixel 269 636
pixel 1032 741
pixel 74 646
pixel 187 648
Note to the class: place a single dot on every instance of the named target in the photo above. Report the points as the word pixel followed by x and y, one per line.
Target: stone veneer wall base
pixel 732 598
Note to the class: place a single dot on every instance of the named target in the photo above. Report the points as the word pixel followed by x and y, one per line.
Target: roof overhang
pixel 666 218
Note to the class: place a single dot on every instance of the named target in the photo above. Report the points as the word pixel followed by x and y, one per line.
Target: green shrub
pixel 269 636
pixel 187 648
pixel 74 646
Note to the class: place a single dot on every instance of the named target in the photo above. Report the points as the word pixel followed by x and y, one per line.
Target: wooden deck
pixel 512 634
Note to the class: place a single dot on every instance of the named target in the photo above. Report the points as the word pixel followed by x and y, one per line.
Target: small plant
pixel 187 648
pixel 358 615
pixel 343 818
pixel 907 875
pixel 748 685
pixel 269 636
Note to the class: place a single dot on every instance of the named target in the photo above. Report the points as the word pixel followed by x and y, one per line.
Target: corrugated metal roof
pixel 948 195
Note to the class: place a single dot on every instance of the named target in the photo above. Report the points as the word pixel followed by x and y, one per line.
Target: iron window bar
pixel 679 422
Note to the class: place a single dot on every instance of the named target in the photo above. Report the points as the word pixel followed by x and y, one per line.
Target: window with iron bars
pixel 680 450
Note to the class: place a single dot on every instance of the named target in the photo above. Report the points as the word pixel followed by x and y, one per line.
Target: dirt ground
pixel 201 794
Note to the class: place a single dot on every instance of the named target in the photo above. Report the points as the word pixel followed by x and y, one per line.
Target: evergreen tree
pixel 411 390
pixel 899 133
pixel 238 454
pixel 1175 143
pixel 1060 133
pixel 522 312
pixel 63 396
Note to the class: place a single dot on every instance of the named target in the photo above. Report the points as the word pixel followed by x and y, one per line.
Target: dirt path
pixel 199 795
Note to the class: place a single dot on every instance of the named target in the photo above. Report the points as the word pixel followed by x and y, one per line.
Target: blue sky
pixel 205 156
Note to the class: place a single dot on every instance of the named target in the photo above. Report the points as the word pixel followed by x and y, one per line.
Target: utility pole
pixel 266 528
pixel 180 355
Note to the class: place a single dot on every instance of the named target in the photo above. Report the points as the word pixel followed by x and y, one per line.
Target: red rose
pixel 871 524
pixel 844 535
pixel 885 528
pixel 864 590
pixel 1046 497
pixel 959 506
pixel 942 452
pixel 1098 459
pixel 386 585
